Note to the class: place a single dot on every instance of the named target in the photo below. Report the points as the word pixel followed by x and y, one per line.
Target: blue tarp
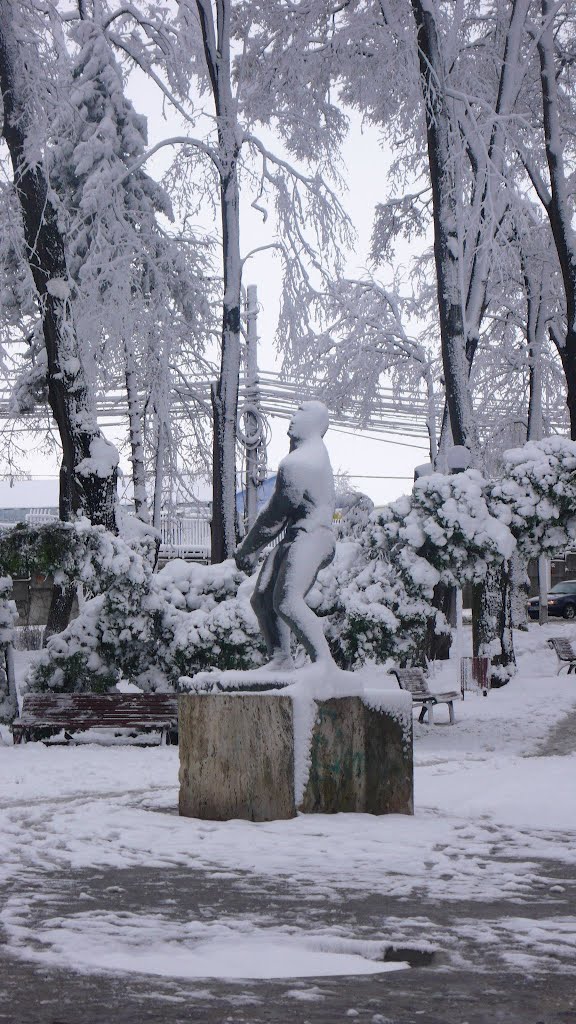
pixel 264 493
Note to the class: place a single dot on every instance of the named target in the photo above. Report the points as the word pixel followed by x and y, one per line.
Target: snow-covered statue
pixel 303 505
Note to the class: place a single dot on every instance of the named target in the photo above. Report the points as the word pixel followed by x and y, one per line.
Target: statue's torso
pixel 306 480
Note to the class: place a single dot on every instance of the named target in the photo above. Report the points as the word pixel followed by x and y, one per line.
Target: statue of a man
pixel 303 504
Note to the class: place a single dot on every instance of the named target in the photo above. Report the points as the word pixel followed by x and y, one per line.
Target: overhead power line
pixel 392 412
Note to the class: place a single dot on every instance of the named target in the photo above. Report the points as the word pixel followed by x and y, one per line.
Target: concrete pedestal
pixel 237 757
pixel 360 760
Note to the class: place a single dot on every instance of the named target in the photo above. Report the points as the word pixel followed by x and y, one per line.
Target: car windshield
pixel 567 587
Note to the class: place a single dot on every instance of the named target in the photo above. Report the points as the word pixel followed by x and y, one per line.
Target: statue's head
pixel 310 420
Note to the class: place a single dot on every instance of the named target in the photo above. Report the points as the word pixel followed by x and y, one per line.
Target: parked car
pixel 561 601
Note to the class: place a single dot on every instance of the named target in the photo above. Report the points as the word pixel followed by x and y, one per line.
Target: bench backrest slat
pixel 103 708
pixel 563 648
pixel 413 680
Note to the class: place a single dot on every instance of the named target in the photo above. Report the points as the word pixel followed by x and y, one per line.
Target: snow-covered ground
pixel 491 810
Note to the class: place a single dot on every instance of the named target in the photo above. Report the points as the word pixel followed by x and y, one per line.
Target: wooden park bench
pixel 47 714
pixel 414 680
pixel 565 653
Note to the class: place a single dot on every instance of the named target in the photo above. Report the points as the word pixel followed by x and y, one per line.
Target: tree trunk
pixel 447 247
pixel 216 44
pixel 159 471
pixel 492 622
pixel 136 442
pixel 225 392
pixel 60 610
pixel 62 597
pixel 520 587
pixel 558 208
pixel 461 313
pixel 438 644
pixel 458 424
pixel 536 306
pixel 568 358
pixel 535 419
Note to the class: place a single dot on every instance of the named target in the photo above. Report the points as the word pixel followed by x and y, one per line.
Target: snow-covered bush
pixel 370 614
pixel 377 619
pixel 538 494
pixel 108 639
pixel 380 605
pixel 355 511
pixel 226 636
pixel 76 659
pixel 462 527
pixel 446 530
pixel 79 553
pixel 202 619
pixel 153 628
pixel 189 586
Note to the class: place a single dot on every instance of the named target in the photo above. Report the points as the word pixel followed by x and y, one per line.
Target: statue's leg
pixel 274 629
pixel 306 555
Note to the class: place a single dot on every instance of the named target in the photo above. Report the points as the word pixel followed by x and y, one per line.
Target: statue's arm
pixel 270 522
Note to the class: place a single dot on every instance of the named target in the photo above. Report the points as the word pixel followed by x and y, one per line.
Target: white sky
pixel 365 459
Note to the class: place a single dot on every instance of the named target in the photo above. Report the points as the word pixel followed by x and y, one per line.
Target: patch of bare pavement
pixel 469 963
pixel 562 739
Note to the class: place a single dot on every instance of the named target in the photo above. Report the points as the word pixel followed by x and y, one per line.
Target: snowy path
pixel 98 873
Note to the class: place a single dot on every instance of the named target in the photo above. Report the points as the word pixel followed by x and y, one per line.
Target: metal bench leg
pixel 422 714
pixel 430 714
pixel 451 711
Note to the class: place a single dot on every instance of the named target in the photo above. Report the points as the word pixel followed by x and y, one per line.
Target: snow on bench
pixel 414 680
pixel 45 715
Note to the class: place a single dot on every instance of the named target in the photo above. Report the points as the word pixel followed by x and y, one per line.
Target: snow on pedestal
pixel 265 756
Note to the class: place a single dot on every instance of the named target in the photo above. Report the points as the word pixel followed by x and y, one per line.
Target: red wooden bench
pixel 47 714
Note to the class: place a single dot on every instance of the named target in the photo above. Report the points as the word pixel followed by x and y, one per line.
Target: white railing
pixel 40 516
pixel 178 534
pixel 186 534
pixel 182 533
